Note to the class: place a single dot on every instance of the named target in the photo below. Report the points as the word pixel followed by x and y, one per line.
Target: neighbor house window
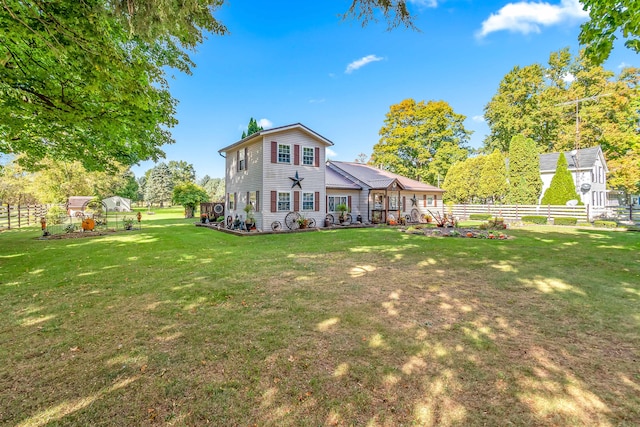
pixel 308 156
pixel 334 201
pixel 308 201
pixel 284 153
pixel 284 201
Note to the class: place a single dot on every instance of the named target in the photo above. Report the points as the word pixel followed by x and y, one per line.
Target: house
pixel 277 171
pixel 377 195
pixel 117 204
pixel 284 169
pixel 589 170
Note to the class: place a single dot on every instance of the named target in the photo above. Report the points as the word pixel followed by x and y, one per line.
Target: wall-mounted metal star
pixel 296 180
pixel 414 201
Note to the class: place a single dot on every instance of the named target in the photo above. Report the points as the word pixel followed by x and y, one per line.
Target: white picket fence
pixel 513 213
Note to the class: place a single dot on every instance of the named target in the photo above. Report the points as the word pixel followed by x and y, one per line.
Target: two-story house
pixel 277 171
pixel 589 170
pixel 284 169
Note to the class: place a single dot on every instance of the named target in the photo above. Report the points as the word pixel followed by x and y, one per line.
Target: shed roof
pixel 378 179
pixel 78 201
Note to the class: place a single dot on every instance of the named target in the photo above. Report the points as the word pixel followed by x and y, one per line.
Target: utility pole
pixel 577 104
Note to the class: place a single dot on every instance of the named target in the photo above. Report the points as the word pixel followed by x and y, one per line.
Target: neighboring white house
pixel 284 169
pixel 117 204
pixel 589 170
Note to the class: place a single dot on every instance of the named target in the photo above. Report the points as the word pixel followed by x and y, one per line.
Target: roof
pixel 585 159
pixel 334 180
pixel 378 179
pixel 78 201
pixel 279 129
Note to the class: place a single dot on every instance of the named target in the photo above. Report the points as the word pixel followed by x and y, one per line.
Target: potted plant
pixel 127 222
pixel 303 222
pixel 342 208
pixel 250 220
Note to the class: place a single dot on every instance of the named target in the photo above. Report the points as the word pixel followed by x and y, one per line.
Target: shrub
pixel 565 220
pixel 480 217
pixel 534 219
pixel 605 224
pixel 56 215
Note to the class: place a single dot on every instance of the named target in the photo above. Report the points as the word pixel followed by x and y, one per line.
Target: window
pixel 378 200
pixel 429 200
pixel 232 201
pixel 393 203
pixel 118 203
pixel 284 153
pixel 253 200
pixel 334 201
pixel 241 161
pixel 307 156
pixel 308 201
pixel 284 202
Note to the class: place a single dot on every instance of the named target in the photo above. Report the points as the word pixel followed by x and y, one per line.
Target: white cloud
pixel 265 123
pixel 568 78
pixel 316 101
pixel 359 63
pixel 528 17
pixel 479 119
pixel 623 65
pixel 424 3
pixel 330 152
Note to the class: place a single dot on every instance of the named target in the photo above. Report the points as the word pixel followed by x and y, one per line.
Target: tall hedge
pixel 525 183
pixel 562 188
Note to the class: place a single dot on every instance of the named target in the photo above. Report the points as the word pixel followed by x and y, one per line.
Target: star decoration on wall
pixel 414 201
pixel 296 180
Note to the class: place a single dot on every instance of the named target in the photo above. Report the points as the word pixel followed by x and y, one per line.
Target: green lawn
pixel 181 325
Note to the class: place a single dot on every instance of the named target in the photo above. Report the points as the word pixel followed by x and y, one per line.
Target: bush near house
pixel 480 217
pixel 534 219
pixel 565 220
pixel 605 224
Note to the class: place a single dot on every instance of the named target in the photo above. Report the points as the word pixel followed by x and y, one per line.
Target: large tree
pixel 492 187
pixel 608 19
pixel 86 80
pixel 181 172
pixel 159 185
pixel 214 187
pixel 412 135
pixel 525 183
pixel 189 195
pixel 462 183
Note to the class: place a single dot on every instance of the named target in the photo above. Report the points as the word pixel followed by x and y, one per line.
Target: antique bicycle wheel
pixel 415 215
pixel 348 218
pixel 291 220
pixel 276 226
pixel 312 223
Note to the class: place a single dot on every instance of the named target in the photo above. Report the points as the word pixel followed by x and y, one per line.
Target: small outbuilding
pixel 117 204
pixel 77 204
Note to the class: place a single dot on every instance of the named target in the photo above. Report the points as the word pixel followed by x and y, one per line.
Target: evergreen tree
pixel 252 128
pixel 562 188
pixel 462 181
pixel 159 186
pixel 129 188
pixel 493 178
pixel 525 183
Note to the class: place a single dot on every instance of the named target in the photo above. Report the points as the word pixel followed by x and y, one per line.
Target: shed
pixel 77 204
pixel 117 204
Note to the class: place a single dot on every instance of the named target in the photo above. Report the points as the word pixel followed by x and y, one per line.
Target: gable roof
pixel 377 178
pixel 335 180
pixel 78 201
pixel 279 129
pixel 585 159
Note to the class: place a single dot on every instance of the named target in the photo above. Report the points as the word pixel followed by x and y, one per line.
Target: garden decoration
pixel 443 220
pixel 291 220
pixel 88 224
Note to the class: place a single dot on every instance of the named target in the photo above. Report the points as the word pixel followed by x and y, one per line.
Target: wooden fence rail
pixel 16 216
pixel 582 213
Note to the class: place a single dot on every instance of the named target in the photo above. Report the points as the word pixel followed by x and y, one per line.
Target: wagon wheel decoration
pixel 218 209
pixel 276 226
pixel 348 218
pixel 415 215
pixel 330 218
pixel 291 220
pixel 312 223
pixel 229 221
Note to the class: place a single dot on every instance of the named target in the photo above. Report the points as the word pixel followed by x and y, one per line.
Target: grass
pixel 181 325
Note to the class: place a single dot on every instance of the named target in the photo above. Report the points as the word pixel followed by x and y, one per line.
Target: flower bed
pixel 467 233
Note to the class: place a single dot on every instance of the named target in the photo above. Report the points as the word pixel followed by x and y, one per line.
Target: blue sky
pixel 297 61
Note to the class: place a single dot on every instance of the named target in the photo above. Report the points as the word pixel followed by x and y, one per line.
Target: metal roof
pixel 375 178
pixel 335 180
pixel 276 130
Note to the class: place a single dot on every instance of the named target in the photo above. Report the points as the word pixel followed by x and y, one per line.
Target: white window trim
pixel 313 201
pixel 313 156
pixel 290 154
pixel 334 196
pixel 278 201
